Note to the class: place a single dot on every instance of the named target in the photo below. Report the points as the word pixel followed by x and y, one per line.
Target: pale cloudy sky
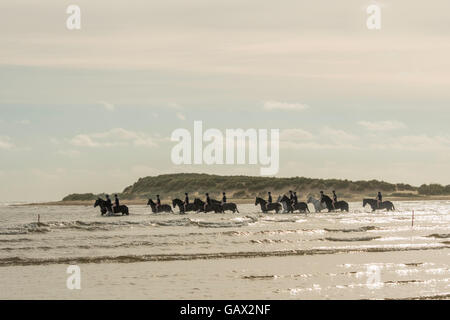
pixel 92 110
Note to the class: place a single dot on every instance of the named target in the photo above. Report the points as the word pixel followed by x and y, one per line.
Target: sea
pixel 403 254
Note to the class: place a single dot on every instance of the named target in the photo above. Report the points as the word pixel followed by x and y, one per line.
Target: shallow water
pixel 250 255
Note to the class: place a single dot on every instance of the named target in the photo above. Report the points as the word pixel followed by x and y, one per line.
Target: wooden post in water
pixel 412 221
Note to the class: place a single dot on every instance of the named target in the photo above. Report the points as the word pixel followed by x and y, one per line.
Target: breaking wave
pixel 11 261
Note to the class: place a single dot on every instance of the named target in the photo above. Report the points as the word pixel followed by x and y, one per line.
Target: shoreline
pixel 237 201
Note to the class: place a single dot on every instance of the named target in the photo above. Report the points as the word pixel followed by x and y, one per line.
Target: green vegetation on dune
pixel 174 185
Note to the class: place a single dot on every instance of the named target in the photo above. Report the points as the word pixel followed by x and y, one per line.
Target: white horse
pixel 319 206
pixel 284 204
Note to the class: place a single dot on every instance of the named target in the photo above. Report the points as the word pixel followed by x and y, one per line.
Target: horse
pixel 230 206
pixel 104 209
pixel 389 206
pixel 265 207
pixel 189 207
pixel 339 205
pixel 215 206
pixel 161 208
pixel 318 206
pixel 291 207
pixel 286 204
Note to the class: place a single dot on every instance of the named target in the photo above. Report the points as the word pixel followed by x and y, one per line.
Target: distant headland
pixel 244 188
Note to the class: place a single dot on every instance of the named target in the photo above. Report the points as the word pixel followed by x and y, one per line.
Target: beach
pixel 250 255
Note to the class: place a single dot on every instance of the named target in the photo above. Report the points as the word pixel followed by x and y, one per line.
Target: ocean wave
pixel 439 235
pixel 11 261
pixel 352 239
pixel 108 246
pixel 361 229
pixel 15 240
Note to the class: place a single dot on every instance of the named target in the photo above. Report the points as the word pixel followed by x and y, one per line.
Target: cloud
pixel 326 138
pixel 108 106
pixel 382 125
pixel 296 134
pixel 276 105
pixel 337 136
pixel 114 137
pixel 180 116
pixel 421 143
pixel 5 142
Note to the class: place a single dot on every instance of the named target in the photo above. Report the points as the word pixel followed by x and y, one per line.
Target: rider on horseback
pixel 208 201
pixel 108 204
pixel 291 198
pixel 158 202
pixel 335 199
pixel 186 200
pixel 379 199
pixel 295 198
pixel 269 199
pixel 322 198
pixel 116 202
pixel 224 198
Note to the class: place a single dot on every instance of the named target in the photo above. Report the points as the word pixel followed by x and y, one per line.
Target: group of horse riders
pixel 109 205
pixel 207 200
pixel 292 197
pixel 294 200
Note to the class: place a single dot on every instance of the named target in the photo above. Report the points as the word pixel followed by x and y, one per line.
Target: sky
pixel 92 110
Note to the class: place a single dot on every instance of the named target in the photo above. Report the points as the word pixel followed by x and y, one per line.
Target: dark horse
pixel 265 207
pixel 389 206
pixel 300 206
pixel 215 206
pixel 339 205
pixel 162 207
pixel 230 206
pixel 190 207
pixel 104 209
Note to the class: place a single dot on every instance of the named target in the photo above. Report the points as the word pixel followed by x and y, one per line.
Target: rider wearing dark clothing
pixel 108 203
pixel 116 201
pixel 186 200
pixel 334 199
pixel 269 199
pixel 224 198
pixel 158 202
pixel 208 200
pixel 379 199
pixel 295 198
